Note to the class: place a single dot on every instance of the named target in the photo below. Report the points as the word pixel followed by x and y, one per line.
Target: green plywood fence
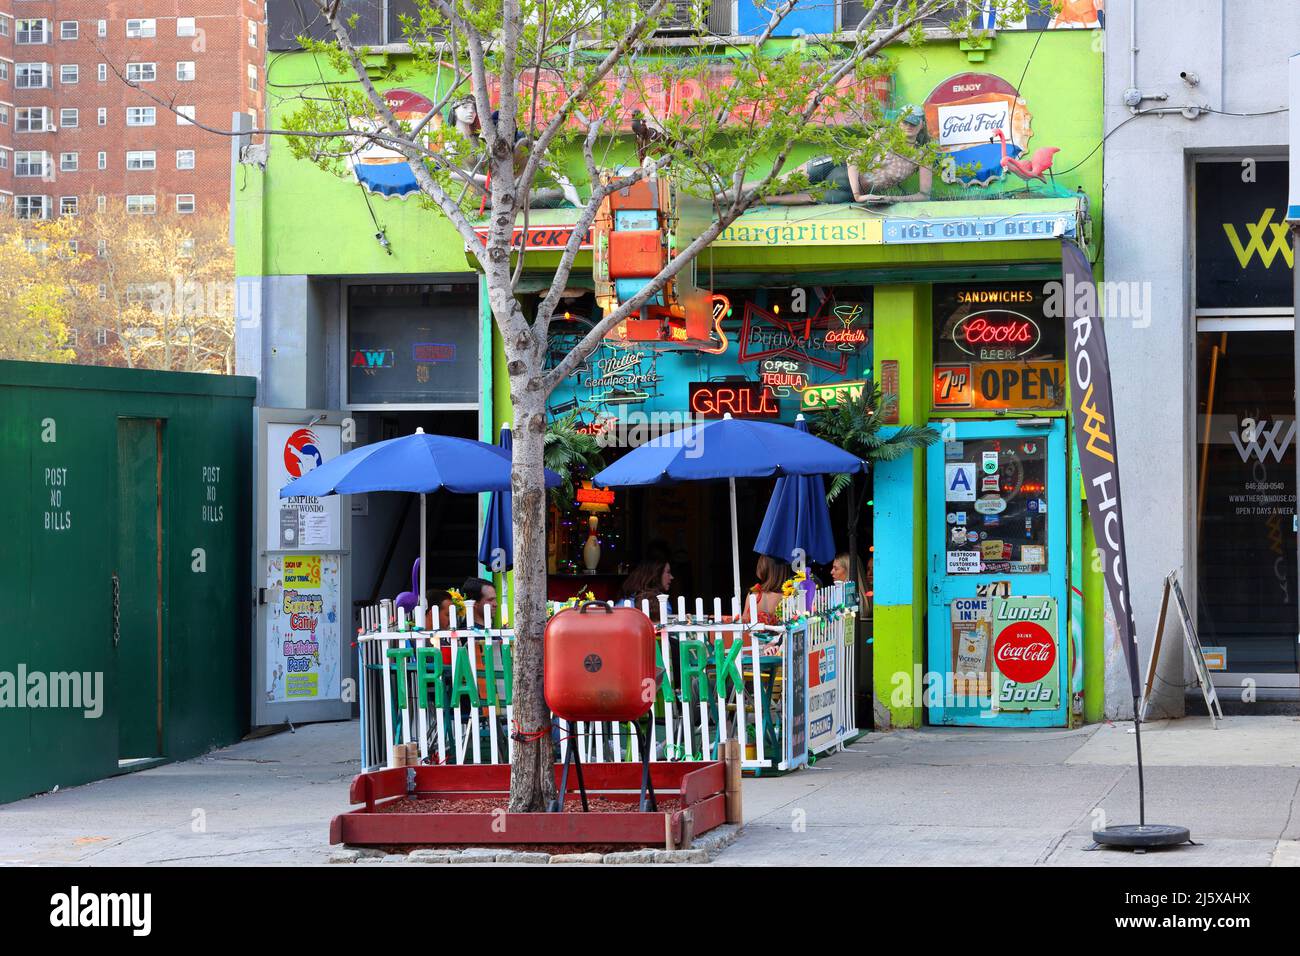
pixel 94 463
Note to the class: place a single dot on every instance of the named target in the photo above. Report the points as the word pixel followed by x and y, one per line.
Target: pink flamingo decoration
pixel 1039 162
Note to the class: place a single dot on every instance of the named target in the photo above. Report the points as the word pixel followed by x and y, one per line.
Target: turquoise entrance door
pixel 996 535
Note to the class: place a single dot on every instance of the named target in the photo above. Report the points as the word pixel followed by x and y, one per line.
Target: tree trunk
pixel 532 774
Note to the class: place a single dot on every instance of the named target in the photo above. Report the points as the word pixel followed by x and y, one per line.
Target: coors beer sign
pixel 1093 413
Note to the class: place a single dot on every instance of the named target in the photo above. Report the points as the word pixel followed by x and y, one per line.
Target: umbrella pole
pixel 735 542
pixel 424 601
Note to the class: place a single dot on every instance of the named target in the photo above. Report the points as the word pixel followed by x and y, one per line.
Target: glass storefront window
pixel 994 349
pixel 996 510
pixel 1246 496
pixel 413 344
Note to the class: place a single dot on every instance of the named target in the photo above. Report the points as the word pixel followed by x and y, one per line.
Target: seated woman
pixel 648 580
pixel 772 575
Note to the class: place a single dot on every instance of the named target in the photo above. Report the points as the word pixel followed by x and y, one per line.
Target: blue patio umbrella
pixel 498 527
pixel 728 448
pixel 797 517
pixel 417 463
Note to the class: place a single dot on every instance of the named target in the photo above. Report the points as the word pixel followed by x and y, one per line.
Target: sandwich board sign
pixel 1193 642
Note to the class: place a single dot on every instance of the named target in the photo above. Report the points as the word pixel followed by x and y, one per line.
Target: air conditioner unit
pixel 51 128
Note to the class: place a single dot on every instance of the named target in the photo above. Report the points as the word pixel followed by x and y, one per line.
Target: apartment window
pixel 73 335
pixel 101 72
pixel 4 26
pixel 101 116
pixel 101 160
pixel 137 159
pixel 68 206
pixel 184 115
pixel 186 249
pixel 141 29
pixel 145 205
pixel 252 77
pixel 32 207
pixel 101 28
pixel 4 69
pixel 185 70
pixel 4 160
pixel 68 162
pixel 69 118
pixel 69 73
pixel 184 159
pixel 101 335
pixel 33 119
pixel 31 32
pixel 101 247
pixel 4 116
pixel 29 163
pixel 185 26
pixel 141 72
pixel 32 76
pixel 69 29
pixel 185 203
pixel 101 203
pixel 252 33
pixel 141 115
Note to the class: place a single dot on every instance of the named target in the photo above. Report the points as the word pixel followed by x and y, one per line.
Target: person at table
pixel 648 580
pixel 841 573
pixel 772 575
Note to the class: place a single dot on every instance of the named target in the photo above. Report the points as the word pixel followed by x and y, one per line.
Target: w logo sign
pixel 1255 440
pixel 1260 241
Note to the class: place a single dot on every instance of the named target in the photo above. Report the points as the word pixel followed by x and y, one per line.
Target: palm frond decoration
pixel 857 428
pixel 569 452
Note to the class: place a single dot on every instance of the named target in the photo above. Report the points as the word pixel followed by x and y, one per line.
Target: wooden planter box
pixel 699 787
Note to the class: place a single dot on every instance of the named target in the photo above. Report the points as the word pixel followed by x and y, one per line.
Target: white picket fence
pixel 689 723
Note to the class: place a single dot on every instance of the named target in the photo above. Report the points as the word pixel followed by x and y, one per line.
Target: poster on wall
pixel 1026 653
pixel 302 651
pixel 304 522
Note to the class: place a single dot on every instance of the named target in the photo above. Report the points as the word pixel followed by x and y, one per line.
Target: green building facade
pixel 341 288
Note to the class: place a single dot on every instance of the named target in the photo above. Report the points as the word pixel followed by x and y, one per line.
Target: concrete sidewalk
pixel 935 796
pixel 958 797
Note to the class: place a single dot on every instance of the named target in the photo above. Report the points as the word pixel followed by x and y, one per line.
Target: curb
pixel 703 850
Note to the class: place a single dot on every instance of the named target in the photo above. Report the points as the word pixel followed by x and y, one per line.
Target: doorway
pixel 996 536
pixel 138 589
pixel 1246 499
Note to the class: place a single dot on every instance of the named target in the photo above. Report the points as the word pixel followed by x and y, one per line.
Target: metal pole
pixel 424 601
pixel 735 540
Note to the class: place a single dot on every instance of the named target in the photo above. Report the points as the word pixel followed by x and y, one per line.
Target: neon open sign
pixel 1007 332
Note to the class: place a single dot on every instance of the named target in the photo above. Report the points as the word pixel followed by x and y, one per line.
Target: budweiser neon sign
pixel 1007 330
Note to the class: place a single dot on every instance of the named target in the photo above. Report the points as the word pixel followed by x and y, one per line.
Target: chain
pixel 117 610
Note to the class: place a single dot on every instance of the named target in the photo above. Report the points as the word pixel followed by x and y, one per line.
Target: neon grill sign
pixel 1006 331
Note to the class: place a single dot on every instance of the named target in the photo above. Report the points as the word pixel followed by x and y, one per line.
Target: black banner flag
pixel 1093 412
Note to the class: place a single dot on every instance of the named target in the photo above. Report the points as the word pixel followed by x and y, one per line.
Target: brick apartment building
pixel 72 131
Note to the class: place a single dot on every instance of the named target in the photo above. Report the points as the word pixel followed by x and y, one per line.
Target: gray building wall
pixel 1238 51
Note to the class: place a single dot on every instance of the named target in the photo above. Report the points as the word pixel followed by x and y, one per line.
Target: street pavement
pixel 936 796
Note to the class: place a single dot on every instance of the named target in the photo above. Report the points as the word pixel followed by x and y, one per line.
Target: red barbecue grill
pixel 599 665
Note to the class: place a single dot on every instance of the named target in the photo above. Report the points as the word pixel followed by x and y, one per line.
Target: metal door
pixel 302 635
pixel 138 594
pixel 996 529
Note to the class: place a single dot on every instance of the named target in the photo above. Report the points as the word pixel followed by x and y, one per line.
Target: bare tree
pixel 544 81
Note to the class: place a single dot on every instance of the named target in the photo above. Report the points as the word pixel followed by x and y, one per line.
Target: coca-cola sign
pixel 1024 652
